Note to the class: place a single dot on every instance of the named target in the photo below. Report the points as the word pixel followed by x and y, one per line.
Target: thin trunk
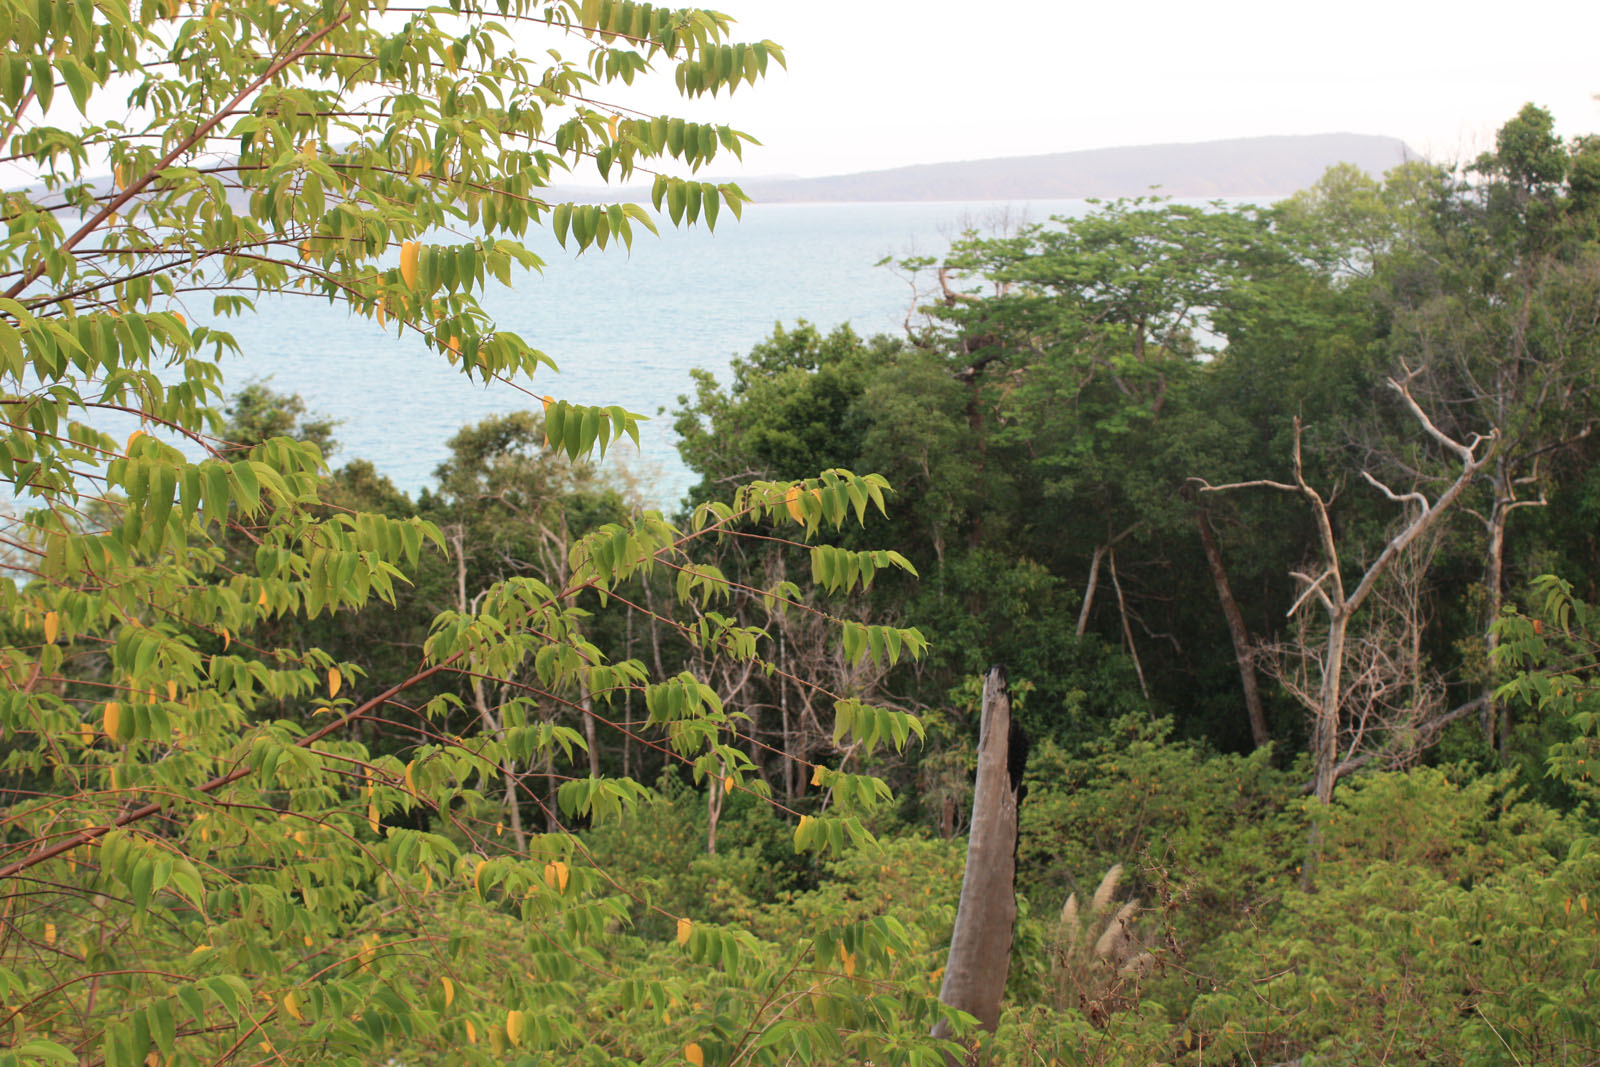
pixel 481 702
pixel 975 423
pixel 587 704
pixel 791 770
pixel 552 821
pixel 627 704
pixel 980 945
pixel 1493 579
pixel 1127 630
pixel 1088 592
pixel 714 797
pixel 1237 631
pixel 655 629
pixel 1325 739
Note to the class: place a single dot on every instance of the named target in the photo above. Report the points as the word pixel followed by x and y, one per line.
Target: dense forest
pixel 1280 521
pixel 1156 461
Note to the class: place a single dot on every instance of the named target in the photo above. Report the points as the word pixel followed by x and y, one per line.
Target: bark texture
pixel 980 946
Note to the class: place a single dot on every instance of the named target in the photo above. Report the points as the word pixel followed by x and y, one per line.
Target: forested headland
pixel 1279 519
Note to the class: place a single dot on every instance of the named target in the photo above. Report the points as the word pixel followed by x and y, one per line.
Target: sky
pixel 882 83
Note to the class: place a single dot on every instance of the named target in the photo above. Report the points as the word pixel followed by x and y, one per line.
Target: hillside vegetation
pixel 1281 520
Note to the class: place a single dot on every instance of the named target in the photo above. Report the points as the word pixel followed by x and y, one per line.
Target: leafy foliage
pixel 224 841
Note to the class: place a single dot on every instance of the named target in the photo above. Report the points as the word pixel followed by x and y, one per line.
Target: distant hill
pixel 1250 166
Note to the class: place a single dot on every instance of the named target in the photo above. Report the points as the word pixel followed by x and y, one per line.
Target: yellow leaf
pixel 692 1053
pixel 611 127
pixel 52 627
pixel 455 345
pixel 684 926
pixel 132 437
pixel 409 251
pixel 227 639
pixel 477 876
pixel 172 690
pixel 335 680
pixel 307 940
pixel 449 990
pixel 556 875
pixel 472 1033
pixel 261 598
pixel 382 312
pixel 291 1004
pixel 49 933
pixel 112 719
pixel 121 174
pixel 411 783
pixel 181 320
pixel 372 818
pixel 791 500
pixel 548 402
pixel 514 1022
pixel 86 733
pixel 309 149
pixel 816 774
pixel 728 783
pixel 499 829
pixel 849 964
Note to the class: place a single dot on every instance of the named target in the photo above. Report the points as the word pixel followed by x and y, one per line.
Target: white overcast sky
pixel 881 83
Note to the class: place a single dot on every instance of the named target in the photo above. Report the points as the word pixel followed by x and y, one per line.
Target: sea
pixel 625 326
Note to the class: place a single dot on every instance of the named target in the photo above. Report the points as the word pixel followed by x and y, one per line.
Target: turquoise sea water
pixel 624 328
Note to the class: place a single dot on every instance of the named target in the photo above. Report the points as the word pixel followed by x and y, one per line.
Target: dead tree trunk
pixel 980 946
pixel 1328 705
pixel 1100 551
pixel 1089 590
pixel 1127 628
pixel 1237 631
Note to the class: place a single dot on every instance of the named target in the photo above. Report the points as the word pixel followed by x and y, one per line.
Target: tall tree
pixel 204 860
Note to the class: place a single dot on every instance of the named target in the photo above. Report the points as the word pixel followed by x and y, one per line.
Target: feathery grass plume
pixel 1096 957
pixel 1118 935
pixel 1108 887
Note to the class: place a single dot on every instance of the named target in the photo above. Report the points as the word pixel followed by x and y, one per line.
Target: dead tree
pixel 1238 633
pixel 980 945
pixel 1325 584
pixel 1394 700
